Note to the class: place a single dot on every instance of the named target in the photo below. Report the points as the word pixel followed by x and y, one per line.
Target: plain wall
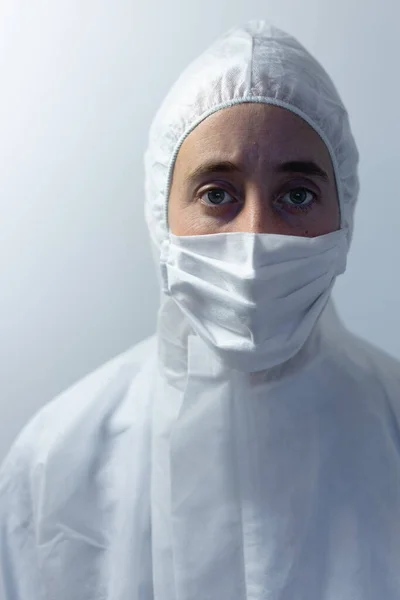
pixel 80 82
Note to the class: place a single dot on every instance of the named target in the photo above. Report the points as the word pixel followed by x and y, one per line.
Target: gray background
pixel 80 82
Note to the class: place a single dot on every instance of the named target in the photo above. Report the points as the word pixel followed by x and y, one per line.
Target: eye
pixel 300 198
pixel 216 197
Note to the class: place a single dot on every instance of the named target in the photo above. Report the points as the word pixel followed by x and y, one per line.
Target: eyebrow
pixel 303 167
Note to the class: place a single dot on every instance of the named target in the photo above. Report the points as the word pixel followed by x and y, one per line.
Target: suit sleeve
pixel 19 570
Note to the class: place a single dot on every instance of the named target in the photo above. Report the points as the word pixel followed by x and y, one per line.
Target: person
pixel 251 448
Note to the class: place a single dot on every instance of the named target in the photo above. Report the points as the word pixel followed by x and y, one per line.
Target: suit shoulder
pixel 76 414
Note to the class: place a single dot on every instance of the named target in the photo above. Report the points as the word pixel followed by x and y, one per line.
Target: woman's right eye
pixel 216 197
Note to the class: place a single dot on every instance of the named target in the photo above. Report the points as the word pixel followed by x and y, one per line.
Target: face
pixel 253 168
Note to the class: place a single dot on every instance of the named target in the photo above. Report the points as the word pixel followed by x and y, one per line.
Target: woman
pixel 250 449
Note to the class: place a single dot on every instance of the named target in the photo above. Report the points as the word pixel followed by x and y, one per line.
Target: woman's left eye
pixel 298 198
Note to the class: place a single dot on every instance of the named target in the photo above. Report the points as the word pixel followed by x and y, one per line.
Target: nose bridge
pixel 256 215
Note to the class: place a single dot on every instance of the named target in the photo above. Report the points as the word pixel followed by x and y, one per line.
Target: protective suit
pixel 185 469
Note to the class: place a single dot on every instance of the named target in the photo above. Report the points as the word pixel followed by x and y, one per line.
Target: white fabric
pixel 166 475
pixel 254 298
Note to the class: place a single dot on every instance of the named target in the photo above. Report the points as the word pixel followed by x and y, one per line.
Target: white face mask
pixel 254 298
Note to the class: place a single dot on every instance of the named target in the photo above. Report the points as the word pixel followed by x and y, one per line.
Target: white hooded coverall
pixel 167 475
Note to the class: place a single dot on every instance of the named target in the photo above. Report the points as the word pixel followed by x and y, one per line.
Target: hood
pixel 254 63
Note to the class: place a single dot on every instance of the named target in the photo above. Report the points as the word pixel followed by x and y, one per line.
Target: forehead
pixel 252 133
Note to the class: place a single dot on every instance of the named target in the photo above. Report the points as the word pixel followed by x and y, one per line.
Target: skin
pixel 258 196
